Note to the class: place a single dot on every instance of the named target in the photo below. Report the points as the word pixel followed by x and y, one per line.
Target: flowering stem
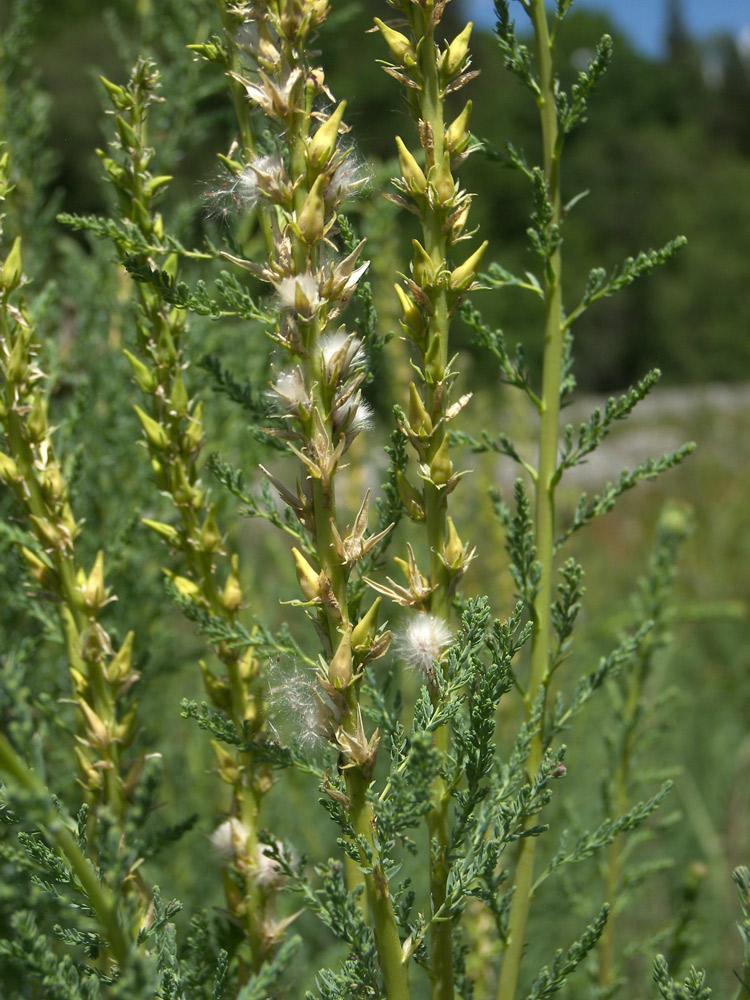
pixel 51 511
pixel 545 485
pixel 435 501
pixel 174 435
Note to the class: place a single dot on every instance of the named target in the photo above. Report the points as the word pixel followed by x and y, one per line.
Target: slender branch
pixel 99 896
pixel 545 494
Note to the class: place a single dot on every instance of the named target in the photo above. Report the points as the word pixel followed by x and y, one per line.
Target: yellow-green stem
pixel 101 899
pixel 394 968
pixel 545 496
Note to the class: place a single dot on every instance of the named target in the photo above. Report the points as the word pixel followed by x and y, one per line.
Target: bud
pixel 141 217
pixel 411 498
pixel 185 587
pixel 340 667
pixel 411 171
pixel 227 768
pixel 217 688
pixel 441 179
pixel 18 362
pixel 453 549
pixel 367 626
pixel 194 429
pixel 232 596
pixel 48 533
pixel 118 95
pixel 119 667
pixel 419 419
pixel 155 433
pixel 37 419
pixel 210 534
pixel 40 568
pixel 52 484
pixel 166 350
pixel 8 469
pixel 423 268
pixel 179 398
pixel 94 592
pixel 400 47
pixel 142 373
pixel 465 273
pixel 154 185
pixel 308 579
pixel 184 493
pixel 125 730
pixel 457 134
pixel 128 136
pixel 323 142
pixel 456 52
pixel 96 729
pixel 91 778
pixel 114 171
pixel 441 467
pixel 10 276
pixel 167 532
pixel 411 318
pixel 311 221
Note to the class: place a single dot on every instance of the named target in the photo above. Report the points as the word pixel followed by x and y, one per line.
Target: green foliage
pixel 467 843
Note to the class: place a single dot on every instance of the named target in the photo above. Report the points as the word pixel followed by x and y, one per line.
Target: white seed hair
pixel 227 837
pixel 422 641
pixel 307 285
pixel 289 388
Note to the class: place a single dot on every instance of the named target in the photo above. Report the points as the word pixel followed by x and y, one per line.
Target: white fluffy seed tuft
pixel 422 641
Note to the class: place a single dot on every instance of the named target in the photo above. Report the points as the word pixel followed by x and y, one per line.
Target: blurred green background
pixel 666 151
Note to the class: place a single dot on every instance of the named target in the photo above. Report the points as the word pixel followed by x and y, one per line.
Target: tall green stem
pixel 394 968
pixel 545 494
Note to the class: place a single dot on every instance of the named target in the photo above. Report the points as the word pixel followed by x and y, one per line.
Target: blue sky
pixel 643 20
